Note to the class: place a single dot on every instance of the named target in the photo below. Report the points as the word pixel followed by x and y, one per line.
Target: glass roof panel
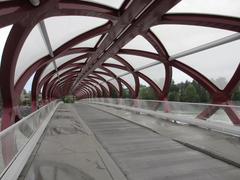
pixel 81 60
pixel 60 61
pixel 156 74
pixel 47 70
pixel 98 80
pixel 105 76
pixel 116 71
pixel 99 70
pixel 64 70
pixel 115 83
pixel 137 61
pixel 76 25
pixel 4 32
pixel 116 4
pixel 97 85
pixel 130 80
pixel 140 43
pixel 113 61
pixel 218 64
pixel 187 36
pixel 216 7
pixel 38 50
pixel 88 43
pixel 61 72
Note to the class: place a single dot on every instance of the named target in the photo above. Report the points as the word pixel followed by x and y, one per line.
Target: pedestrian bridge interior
pixel 97 53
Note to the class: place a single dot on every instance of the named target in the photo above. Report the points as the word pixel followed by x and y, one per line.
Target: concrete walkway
pixel 143 154
pixel 68 151
pixel 83 143
pixel 219 145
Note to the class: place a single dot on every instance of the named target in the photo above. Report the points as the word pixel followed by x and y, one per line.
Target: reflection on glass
pixel 14 138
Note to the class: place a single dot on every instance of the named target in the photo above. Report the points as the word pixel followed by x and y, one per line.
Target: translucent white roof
pixel 130 80
pixel 140 43
pixel 4 35
pixel 111 3
pixel 137 61
pixel 202 44
pixel 115 83
pixel 63 28
pixel 217 64
pixel 216 7
pixel 31 51
pixel 113 61
pixel 187 36
pixel 116 71
pixel 88 43
pixel 59 62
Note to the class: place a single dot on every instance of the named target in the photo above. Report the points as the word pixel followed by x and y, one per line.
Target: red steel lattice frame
pixel 133 18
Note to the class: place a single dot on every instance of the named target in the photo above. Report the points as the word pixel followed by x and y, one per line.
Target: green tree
pixel 146 92
pixel 190 94
pixel 236 94
pixel 126 93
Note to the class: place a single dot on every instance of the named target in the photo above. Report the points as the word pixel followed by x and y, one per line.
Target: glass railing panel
pixel 14 138
pixel 193 111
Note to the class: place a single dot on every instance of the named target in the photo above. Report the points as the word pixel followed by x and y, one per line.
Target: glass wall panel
pixel 33 49
pixel 76 25
pixel 140 43
pixel 216 7
pixel 130 80
pixel 88 43
pixel 137 61
pixel 114 4
pixel 187 36
pixel 217 64
pixel 4 32
pixel 156 74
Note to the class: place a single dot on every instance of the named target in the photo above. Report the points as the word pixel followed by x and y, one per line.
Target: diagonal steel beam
pixel 48 44
pixel 135 20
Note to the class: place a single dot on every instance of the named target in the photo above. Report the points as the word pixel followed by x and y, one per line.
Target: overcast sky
pixel 213 63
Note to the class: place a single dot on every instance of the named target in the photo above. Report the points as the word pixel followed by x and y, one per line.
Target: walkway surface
pixel 67 150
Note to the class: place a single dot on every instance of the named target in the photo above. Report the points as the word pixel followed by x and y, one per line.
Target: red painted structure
pixel 135 17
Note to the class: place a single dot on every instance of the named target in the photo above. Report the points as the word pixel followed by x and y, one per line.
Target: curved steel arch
pixel 132 19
